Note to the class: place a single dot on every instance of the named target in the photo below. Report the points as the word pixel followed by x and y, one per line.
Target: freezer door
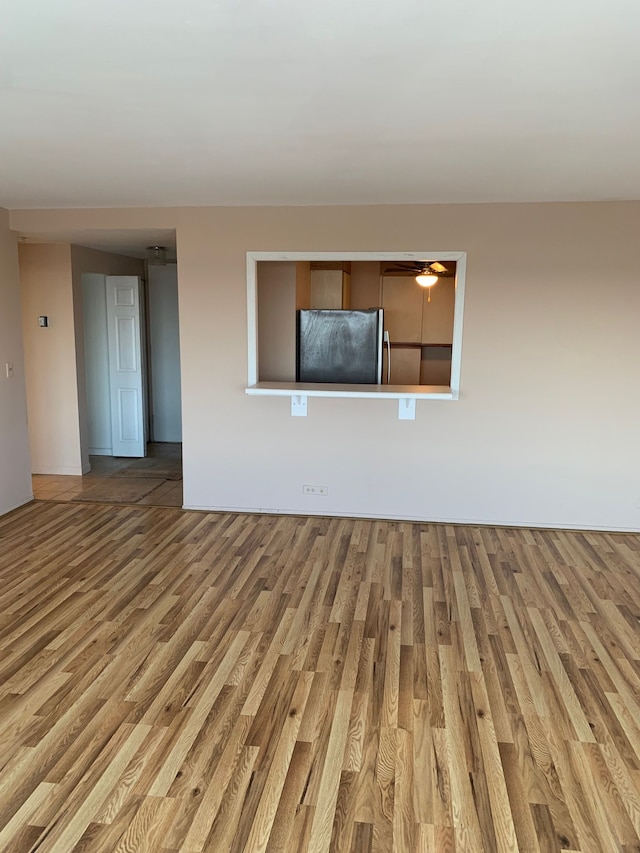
pixel 340 346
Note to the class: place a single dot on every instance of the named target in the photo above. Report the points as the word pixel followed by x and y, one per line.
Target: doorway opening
pixel 132 377
pixel 128 432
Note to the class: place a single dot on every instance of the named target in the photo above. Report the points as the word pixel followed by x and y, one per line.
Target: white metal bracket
pixel 407 409
pixel 298 406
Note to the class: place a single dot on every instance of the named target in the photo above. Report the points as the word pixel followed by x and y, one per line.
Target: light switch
pixel 9 369
pixel 43 321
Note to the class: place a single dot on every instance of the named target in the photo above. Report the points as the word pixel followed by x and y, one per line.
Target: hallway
pixel 154 480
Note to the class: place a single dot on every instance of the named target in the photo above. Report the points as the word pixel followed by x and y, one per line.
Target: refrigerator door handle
pixel 388 343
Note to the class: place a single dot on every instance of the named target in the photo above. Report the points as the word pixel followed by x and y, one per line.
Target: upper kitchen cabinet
pixel 330 287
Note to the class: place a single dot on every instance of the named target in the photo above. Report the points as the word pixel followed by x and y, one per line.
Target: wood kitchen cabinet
pixel 437 314
pixel 405 365
pixel 420 329
pixel 435 365
pixel 402 303
pixel 330 289
pixel 437 333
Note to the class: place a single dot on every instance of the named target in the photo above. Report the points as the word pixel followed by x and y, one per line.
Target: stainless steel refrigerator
pixel 340 346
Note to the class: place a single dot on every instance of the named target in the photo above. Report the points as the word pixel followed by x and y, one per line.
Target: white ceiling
pixel 199 102
pixel 130 242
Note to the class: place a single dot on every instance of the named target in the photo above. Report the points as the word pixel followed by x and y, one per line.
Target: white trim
pixel 287 389
pixel 371 392
pixel 458 312
pixel 374 516
pixel 73 471
pixel 252 317
pixel 356 256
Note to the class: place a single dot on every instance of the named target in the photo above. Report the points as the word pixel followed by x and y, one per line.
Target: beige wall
pixel 164 353
pixel 15 472
pixel 50 358
pixel 545 431
pixel 51 282
pixel 277 297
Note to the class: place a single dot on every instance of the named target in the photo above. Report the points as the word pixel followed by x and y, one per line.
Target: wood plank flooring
pixel 176 681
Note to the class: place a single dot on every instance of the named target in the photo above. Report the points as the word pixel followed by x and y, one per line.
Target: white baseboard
pixel 100 451
pixel 71 470
pixel 471 522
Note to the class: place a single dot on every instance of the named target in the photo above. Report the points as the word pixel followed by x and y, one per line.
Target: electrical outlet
pixel 9 369
pixel 315 490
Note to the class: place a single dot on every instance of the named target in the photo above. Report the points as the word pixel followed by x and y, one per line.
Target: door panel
pixel 125 296
pixel 126 344
pixel 128 421
pixel 125 365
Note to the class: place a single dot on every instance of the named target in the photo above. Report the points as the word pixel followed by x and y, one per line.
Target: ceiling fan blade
pixel 417 267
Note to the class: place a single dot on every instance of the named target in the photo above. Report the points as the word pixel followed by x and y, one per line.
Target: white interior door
pixel 125 365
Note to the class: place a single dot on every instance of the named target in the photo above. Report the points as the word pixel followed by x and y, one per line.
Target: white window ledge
pixel 371 392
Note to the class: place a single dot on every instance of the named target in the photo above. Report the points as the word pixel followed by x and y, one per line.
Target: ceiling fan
pixel 426 273
pixel 424 268
pixel 157 256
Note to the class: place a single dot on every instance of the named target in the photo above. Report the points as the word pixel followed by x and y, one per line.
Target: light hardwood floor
pixel 175 681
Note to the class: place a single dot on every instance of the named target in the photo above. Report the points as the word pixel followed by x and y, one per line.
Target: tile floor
pixel 155 480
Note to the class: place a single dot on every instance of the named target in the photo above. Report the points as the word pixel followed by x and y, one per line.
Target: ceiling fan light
pixel 157 256
pixel 426 280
